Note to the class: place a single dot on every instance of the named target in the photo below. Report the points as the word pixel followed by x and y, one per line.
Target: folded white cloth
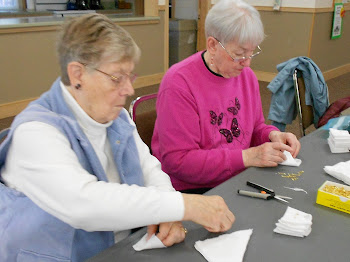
pixel 290 161
pixel 153 242
pixel 292 232
pixel 339 140
pixel 340 171
pixel 294 223
pixel 337 149
pixel 227 247
pixel 341 134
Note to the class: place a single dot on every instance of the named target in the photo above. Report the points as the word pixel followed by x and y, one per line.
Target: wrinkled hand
pixel 265 155
pixel 169 233
pixel 209 211
pixel 287 139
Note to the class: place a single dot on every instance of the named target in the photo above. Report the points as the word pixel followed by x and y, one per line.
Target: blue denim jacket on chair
pixel 282 107
pixel 28 233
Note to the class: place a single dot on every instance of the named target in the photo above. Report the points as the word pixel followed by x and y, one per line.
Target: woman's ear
pixel 211 45
pixel 75 72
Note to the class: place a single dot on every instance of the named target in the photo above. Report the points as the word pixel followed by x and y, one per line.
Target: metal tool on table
pixel 265 193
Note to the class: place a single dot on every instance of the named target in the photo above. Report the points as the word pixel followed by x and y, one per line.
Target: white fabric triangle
pixel 228 247
pixel 153 242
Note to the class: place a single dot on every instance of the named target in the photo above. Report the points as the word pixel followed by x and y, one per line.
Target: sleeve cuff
pixel 172 207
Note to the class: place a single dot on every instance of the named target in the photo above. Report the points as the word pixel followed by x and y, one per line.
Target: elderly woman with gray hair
pixel 210 125
pixel 75 175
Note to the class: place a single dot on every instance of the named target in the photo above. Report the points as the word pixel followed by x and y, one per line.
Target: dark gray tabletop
pixel 330 236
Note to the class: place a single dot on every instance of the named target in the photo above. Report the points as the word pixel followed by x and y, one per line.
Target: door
pixel 203 8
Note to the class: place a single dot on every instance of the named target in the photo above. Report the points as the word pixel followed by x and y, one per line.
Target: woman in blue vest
pixel 75 175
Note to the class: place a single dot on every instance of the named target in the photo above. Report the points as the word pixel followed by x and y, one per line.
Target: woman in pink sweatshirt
pixel 210 125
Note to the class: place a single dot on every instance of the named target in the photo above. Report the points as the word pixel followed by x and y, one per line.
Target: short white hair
pixel 234 20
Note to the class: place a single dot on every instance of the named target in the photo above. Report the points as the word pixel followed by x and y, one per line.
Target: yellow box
pixel 331 200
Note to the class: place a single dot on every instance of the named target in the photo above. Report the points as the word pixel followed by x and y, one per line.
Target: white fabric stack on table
pixel 227 247
pixel 340 171
pixel 294 223
pixel 339 140
pixel 290 161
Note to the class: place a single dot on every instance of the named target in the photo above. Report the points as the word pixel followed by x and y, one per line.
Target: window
pixel 9 4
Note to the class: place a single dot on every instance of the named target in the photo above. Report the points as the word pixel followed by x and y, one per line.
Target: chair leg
pixel 297 102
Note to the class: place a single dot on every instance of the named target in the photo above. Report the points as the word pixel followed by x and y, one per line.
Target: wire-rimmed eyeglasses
pixel 117 79
pixel 242 58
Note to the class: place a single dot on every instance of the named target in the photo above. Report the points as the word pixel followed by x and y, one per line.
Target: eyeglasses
pixel 243 58
pixel 119 80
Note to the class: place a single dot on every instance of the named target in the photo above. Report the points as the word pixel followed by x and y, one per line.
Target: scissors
pixel 265 193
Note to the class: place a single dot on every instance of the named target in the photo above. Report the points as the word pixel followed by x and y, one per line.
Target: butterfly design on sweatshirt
pixel 237 103
pixel 234 130
pixel 214 119
pixel 234 110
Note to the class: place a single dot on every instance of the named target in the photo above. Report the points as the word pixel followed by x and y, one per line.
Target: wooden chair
pixel 143 112
pixel 305 112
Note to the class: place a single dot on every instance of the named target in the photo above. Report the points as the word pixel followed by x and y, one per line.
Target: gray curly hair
pixel 92 39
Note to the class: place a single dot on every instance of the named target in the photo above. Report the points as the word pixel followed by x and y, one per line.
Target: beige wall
pixel 28 68
pixel 300 28
pixel 302 32
pixel 327 53
pixel 150 40
pixel 29 64
pixel 287 36
pixel 292 3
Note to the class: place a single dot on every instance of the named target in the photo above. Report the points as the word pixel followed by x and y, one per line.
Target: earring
pixel 212 61
pixel 77 86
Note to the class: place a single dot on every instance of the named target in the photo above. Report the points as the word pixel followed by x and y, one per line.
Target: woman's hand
pixel 169 233
pixel 209 211
pixel 287 139
pixel 271 153
pixel 265 155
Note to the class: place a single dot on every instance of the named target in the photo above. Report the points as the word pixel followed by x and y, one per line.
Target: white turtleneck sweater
pixel 41 164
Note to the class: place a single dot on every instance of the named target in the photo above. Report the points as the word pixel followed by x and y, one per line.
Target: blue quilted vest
pixel 28 233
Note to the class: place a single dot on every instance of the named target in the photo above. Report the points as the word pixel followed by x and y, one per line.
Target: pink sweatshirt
pixel 204 121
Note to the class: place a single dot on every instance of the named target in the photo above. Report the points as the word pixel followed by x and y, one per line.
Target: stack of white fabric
pixel 294 223
pixel 339 140
pixel 340 171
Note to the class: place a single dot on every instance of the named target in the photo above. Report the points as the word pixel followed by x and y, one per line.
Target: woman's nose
pixel 246 62
pixel 128 89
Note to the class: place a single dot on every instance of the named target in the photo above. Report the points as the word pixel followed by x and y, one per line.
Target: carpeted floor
pixel 338 87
